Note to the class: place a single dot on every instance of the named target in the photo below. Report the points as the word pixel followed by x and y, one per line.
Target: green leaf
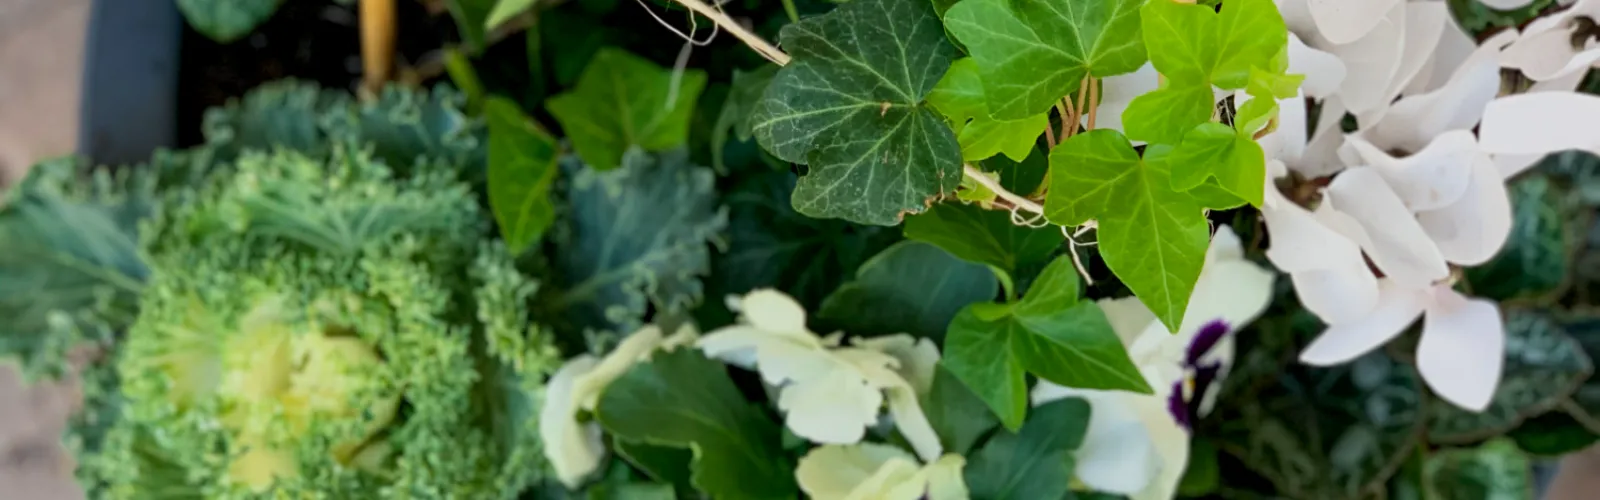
pixel 634 238
pixel 1542 367
pixel 471 17
pixel 957 414
pixel 1195 45
pixel 1536 259
pixel 985 237
pixel 623 101
pixel 1164 115
pixel 1273 85
pixel 959 96
pixel 1152 237
pixel 850 106
pixel 681 399
pixel 1494 470
pixel 226 20
pixel 1552 434
pixel 1214 150
pixel 734 118
pixel 1049 334
pixel 1034 463
pixel 504 10
pixel 910 287
pixel 1254 115
pixel 772 246
pixel 1203 475
pixel 666 464
pixel 522 166
pixel 1032 52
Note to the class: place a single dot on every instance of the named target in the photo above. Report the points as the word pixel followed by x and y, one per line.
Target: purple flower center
pixel 1185 405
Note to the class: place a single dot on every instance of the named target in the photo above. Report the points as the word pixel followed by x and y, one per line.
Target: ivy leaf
pixel 744 94
pixel 1543 365
pixel 634 237
pixel 959 97
pixel 1232 157
pixel 910 287
pixel 1050 333
pixel 957 415
pixel 522 166
pixel 1152 237
pixel 1196 45
pixel 682 399
pixel 1273 85
pixel 850 106
pixel 1035 462
pixel 622 100
pixel 985 237
pixel 1033 52
pixel 1163 115
pixel 227 20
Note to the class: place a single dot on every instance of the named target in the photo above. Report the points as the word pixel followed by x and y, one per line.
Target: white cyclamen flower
pixel 871 471
pixel 828 394
pixel 1545 51
pixel 1138 444
pixel 575 448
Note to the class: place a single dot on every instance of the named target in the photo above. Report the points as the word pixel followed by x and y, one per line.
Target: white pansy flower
pixel 1138 444
pixel 1460 354
pixel 574 448
pixel 828 394
pixel 871 471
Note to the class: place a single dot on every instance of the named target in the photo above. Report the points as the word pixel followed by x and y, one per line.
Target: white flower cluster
pixel 1412 193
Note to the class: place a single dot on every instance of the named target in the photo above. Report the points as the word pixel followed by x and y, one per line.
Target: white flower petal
pixel 1539 123
pixel 1299 241
pixel 1547 55
pixel 587 387
pixel 945 480
pixel 1117 455
pixel 1232 290
pixel 1462 348
pixel 1372 59
pixel 1297 17
pixel 1471 230
pixel 834 407
pixel 774 312
pixel 1286 142
pixel 1118 91
pixel 1337 295
pixel 1568 83
pixel 1324 72
pixel 574 449
pixel 1424 23
pixel 1320 158
pixel 1397 308
pixel 1511 164
pixel 1399 246
pixel 1431 178
pixel 918 358
pixel 1414 121
pixel 1506 4
pixel 1345 21
pixel 1128 317
pixel 1455 46
pixel 861 471
pixel 913 424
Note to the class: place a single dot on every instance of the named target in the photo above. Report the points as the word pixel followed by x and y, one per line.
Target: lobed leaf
pixel 622 101
pixel 910 287
pixel 522 166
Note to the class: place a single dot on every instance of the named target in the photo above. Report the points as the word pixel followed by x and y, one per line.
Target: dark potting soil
pixel 312 40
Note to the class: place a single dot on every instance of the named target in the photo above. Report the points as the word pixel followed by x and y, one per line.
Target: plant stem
pixel 1050 134
pixel 1094 102
pixel 728 24
pixel 1000 191
pixel 377 42
pixel 1083 92
pixel 1069 118
pixel 788 8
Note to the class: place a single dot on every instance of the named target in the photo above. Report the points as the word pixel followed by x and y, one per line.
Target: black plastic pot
pixel 130 80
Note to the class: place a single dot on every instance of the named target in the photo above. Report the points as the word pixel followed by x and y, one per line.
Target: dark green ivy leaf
pixel 957 415
pixel 985 237
pixel 634 237
pixel 522 166
pixel 682 399
pixel 910 287
pixel 736 111
pixel 1035 462
pixel 851 107
pixel 623 101
pixel 1049 333
pixel 1542 367
pixel 227 20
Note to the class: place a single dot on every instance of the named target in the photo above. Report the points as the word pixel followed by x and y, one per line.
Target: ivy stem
pixel 1083 92
pixel 1069 118
pixel 1094 102
pixel 1050 134
pixel 1020 202
pixel 755 43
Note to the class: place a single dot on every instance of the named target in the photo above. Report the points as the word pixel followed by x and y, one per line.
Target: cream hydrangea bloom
pixel 1138 444
pixel 828 394
pixel 871 471
pixel 574 448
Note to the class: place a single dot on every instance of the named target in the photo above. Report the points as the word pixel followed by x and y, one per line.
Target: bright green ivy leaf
pixel 1032 52
pixel 1218 151
pixel 1034 463
pixel 1254 115
pixel 1050 333
pixel 910 287
pixel 1153 237
pixel 850 106
pixel 1162 116
pixel 634 238
pixel 734 118
pixel 985 236
pixel 522 166
pixel 959 96
pixel 682 399
pixel 1196 45
pixel 227 20
pixel 974 192
pixel 621 101
pixel 1274 85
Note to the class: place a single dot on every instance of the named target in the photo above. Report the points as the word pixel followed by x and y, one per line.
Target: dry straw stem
pixel 377 42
